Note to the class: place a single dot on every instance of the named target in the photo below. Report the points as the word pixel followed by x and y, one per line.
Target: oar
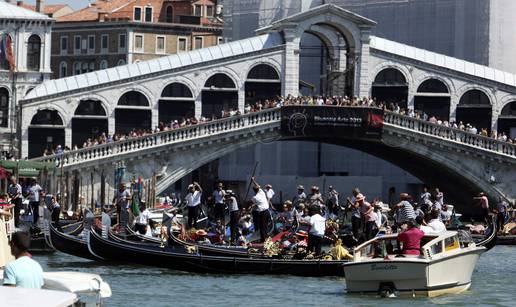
pixel 250 181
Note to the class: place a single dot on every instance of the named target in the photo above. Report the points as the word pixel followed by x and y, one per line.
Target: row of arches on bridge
pixel 433 97
pixel 134 110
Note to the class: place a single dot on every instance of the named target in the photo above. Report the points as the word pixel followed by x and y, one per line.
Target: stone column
pixel 24 134
pixel 454 102
pixel 494 118
pixel 68 135
pixel 411 97
pixel 198 105
pixel 111 123
pixel 46 54
pixel 362 82
pixel 241 97
pixel 290 76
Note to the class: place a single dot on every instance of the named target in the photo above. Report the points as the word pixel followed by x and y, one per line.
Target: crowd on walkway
pixel 279 101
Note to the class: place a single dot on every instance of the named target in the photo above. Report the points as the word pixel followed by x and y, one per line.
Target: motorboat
pixel 445 265
pixel 12 296
pixel 75 289
pixel 90 288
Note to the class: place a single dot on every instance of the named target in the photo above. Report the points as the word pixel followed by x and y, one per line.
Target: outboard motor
pixel 387 289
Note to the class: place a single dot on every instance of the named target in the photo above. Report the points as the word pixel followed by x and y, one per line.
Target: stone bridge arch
pixel 354 28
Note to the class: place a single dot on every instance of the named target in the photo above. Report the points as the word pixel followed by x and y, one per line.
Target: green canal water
pixel 493 285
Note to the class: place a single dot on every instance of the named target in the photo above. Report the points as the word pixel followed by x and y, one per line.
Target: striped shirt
pixel 405 212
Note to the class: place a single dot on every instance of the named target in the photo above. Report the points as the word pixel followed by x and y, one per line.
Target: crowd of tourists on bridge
pixel 279 101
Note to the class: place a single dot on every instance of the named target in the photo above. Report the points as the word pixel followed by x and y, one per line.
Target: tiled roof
pixel 443 61
pixel 47 8
pixel 91 13
pixel 106 76
pixel 10 11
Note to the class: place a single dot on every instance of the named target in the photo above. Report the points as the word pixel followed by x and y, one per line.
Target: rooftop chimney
pixel 39 6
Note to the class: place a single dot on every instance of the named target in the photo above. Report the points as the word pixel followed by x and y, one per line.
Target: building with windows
pixel 24 63
pixel 116 32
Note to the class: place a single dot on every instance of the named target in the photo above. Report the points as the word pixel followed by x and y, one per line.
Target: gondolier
pixel 261 206
pixel 234 214
pixel 193 202
pixel 15 193
pixel 218 199
pixel 123 205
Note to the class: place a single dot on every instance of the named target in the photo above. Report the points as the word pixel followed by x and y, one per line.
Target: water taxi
pixel 445 265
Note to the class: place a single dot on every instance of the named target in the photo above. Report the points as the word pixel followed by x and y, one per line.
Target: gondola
pixel 154 255
pixel 175 242
pixel 68 244
pixel 39 243
pixel 491 239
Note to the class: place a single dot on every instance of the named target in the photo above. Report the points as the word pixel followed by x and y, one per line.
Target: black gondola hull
pixel 153 255
pixel 70 244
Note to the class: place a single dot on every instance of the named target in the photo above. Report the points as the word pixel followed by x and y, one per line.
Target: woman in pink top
pixel 411 239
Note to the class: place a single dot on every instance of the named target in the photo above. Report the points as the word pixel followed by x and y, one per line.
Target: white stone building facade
pixel 30 35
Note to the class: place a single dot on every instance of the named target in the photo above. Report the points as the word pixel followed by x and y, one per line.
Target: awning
pixel 26 168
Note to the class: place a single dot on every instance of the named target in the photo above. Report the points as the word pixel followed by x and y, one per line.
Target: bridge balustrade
pixel 449 133
pixel 164 137
pixel 256 119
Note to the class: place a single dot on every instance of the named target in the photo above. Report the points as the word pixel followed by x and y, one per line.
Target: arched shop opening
pixel 132 113
pixel 390 86
pixel 263 82
pixel 433 98
pixel 4 107
pixel 176 102
pixel 89 121
pixel 219 93
pixel 507 120
pixel 46 132
pixel 475 109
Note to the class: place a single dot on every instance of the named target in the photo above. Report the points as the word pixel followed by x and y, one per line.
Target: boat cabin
pixel 388 247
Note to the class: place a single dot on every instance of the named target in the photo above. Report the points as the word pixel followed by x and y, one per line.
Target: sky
pixel 74 4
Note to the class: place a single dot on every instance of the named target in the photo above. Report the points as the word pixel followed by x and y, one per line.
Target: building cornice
pixel 85 26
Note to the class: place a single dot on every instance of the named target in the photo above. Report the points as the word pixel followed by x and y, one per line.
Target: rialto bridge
pixel 204 82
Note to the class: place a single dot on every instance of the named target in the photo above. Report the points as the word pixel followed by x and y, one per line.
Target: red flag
pixel 375 120
pixel 9 55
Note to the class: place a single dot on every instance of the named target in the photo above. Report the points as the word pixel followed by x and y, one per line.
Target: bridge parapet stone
pixel 453 134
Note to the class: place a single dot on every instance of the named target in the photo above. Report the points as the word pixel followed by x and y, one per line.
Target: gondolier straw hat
pixel 201 232
pixel 360 197
pixel 300 187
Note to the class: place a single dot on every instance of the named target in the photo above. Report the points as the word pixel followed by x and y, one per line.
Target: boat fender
pixel 387 289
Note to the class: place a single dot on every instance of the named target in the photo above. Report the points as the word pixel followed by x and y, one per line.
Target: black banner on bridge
pixel 331 121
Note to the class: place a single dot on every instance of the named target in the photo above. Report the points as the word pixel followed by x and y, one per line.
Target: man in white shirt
pixel 317 229
pixel 34 192
pixel 193 202
pixel 123 205
pixel 218 199
pixel 269 192
pixel 435 223
pixel 142 220
pixel 261 205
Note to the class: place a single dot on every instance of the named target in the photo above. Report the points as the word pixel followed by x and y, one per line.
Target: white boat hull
pixel 414 276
